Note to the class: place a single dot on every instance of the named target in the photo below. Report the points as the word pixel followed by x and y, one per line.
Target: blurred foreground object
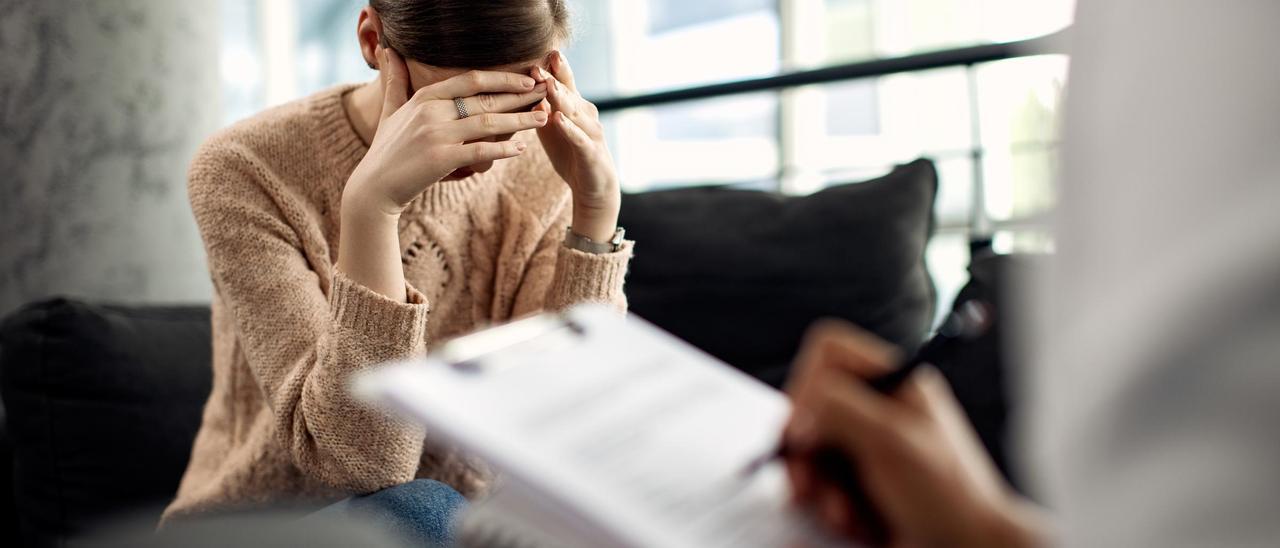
pixel 1154 405
pixel 258 529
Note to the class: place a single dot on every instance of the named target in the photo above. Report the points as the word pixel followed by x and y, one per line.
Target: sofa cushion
pixel 741 274
pixel 8 510
pixel 102 404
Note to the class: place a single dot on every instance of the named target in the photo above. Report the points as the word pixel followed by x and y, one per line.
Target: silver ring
pixel 461 105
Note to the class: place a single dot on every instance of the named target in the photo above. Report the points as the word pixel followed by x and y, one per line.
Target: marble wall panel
pixel 101 105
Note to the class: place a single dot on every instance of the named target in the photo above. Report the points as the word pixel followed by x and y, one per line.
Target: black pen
pixel 969 321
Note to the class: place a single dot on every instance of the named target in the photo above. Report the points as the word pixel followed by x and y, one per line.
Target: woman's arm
pixel 304 333
pixel 557 277
pixel 420 140
pixel 575 143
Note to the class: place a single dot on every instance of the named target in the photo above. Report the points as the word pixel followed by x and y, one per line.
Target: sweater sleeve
pixel 304 341
pixel 558 277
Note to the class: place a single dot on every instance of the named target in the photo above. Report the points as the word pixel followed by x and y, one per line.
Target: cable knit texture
pixel 289 330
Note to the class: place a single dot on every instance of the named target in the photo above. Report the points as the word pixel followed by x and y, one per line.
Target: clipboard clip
pixel 476 353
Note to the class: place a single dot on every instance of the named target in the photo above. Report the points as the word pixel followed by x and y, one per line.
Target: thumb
pixel 395 81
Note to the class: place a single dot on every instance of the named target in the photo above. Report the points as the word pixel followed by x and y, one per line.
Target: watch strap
pixel 573 240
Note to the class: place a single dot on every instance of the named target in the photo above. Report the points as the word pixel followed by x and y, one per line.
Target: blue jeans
pixel 420 511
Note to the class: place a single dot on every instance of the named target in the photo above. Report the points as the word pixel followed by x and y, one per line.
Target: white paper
pixel 630 436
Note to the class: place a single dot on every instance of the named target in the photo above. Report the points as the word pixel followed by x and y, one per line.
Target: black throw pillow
pixel 741 274
pixel 103 404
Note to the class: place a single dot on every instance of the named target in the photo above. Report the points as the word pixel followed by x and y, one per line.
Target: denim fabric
pixel 420 511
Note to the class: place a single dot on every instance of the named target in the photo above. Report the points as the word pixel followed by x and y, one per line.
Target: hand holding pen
pixel 889 458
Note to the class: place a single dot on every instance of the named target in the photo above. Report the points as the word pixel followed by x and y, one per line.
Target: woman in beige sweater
pixel 367 222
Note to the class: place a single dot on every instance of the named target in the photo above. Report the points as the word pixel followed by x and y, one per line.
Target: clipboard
pixel 606 430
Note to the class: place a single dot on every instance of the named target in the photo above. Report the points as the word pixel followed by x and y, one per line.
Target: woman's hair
pixel 472 33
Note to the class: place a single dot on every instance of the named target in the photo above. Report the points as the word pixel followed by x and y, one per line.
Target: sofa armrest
pixel 9 535
pixel 102 404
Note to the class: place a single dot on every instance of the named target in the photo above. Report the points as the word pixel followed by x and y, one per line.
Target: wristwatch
pixel 573 240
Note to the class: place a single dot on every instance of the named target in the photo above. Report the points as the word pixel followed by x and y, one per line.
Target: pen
pixel 970 320
pixel 967 322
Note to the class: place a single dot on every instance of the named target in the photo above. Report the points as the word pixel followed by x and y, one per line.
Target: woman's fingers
pixel 476 82
pixel 540 76
pixel 484 151
pixel 561 99
pixel 560 68
pixel 572 132
pixel 395 80
pixel 504 102
pixel 482 126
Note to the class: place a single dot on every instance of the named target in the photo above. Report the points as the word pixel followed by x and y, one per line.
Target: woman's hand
pixel 913 453
pixel 420 139
pixel 575 143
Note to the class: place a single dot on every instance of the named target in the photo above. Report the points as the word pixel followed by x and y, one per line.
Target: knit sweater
pixel 289 330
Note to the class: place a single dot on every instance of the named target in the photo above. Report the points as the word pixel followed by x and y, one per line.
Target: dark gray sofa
pixel 103 401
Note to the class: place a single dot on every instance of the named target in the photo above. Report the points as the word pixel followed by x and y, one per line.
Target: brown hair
pixel 472 33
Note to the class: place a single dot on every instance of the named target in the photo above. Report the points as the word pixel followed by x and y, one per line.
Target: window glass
pixel 947 257
pixel 848 31
pixel 715 141
pixel 667 15
pixel 591 49
pixel 327 50
pixel 687 43
pixel 1006 114
pixel 729 140
pixel 240 61
pixel 1019 104
pixel 877 123
pixel 852 109
pixel 860 29
pixel 954 202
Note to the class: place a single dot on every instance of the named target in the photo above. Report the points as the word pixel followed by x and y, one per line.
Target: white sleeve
pixel 1153 413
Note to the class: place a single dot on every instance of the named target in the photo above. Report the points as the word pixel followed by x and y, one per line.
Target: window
pixel 666 44
pixel 240 63
pixel 991 129
pixel 327 50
